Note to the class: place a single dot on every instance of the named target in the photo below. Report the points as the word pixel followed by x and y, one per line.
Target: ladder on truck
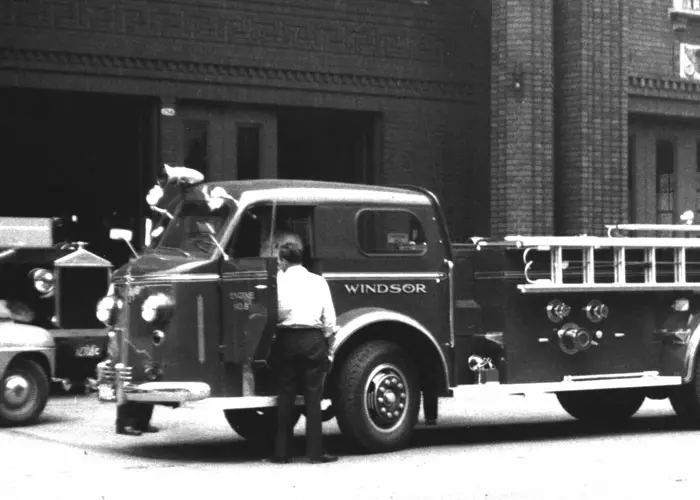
pixel 595 251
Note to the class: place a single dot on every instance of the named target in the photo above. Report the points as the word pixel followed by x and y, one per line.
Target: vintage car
pixel 56 289
pixel 27 352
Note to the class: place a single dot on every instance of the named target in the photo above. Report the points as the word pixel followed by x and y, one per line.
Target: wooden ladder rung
pixel 650 270
pixel 557 265
pixel 588 264
pixel 679 265
pixel 620 274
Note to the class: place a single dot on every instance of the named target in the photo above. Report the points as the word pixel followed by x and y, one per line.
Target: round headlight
pixel 157 307
pixel 43 281
pixel 108 309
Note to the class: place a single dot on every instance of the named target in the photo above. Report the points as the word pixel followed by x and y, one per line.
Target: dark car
pixel 57 289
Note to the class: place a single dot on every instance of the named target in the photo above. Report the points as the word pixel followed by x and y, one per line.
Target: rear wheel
pixel 24 391
pixel 377 397
pixel 685 401
pixel 602 407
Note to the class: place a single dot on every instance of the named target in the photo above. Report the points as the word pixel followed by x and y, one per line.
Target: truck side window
pixel 252 231
pixel 390 232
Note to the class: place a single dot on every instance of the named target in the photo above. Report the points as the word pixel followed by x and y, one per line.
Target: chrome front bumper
pixel 110 378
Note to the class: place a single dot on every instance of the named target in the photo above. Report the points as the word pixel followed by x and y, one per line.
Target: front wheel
pixel 24 391
pixel 257 425
pixel 602 407
pixel 377 397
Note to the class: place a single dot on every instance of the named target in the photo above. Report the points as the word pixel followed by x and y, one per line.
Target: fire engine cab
pixel 603 322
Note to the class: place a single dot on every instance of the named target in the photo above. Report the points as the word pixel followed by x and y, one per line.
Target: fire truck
pixel 602 322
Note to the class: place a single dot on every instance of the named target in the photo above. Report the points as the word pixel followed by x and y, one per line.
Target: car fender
pixel 18 338
pixel 357 319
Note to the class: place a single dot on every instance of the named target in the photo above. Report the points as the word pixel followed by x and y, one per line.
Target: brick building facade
pixel 380 91
pixel 595 113
pixel 590 107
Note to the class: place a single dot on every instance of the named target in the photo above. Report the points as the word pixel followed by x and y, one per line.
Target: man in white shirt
pixel 306 326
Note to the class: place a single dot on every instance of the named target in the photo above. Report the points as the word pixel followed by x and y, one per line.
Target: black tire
pixel 376 423
pixel 602 407
pixel 257 425
pixel 685 401
pixel 24 391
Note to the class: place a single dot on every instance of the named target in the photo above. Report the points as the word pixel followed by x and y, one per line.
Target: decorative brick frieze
pixel 168 69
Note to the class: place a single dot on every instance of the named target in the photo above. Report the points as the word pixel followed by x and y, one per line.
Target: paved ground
pixel 505 448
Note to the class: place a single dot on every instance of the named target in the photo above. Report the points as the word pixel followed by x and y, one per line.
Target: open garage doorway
pixel 81 156
pixel 228 142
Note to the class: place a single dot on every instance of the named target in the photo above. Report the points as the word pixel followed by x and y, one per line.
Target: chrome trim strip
pixel 396 276
pixel 168 278
pixel 451 279
pixel 61 333
pixel 200 329
pixel 609 376
pixel 497 389
pixel 374 315
pixel 547 286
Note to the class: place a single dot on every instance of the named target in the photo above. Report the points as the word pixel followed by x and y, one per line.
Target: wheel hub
pixel 16 390
pixel 387 397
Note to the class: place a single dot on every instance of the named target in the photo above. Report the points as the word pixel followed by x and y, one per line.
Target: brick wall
pixel 424 68
pixel 653 42
pixel 522 121
pixel 591 114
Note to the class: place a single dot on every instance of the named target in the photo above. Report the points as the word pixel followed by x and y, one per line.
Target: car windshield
pixel 198 221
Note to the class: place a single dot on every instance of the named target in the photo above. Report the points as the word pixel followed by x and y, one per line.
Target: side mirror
pixel 124 235
pixel 121 234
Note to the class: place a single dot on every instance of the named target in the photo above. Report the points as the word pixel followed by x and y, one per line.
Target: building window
pixel 665 194
pixel 631 178
pixel 195 145
pixel 697 182
pixel 686 5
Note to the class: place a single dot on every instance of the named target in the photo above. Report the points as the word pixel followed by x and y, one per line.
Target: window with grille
pixel 665 192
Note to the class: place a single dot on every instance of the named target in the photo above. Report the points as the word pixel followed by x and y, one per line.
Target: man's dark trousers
pixel 136 415
pixel 302 358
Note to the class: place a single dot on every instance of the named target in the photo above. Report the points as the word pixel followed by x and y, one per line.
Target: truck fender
pixel 18 338
pixel 357 319
pixel 691 352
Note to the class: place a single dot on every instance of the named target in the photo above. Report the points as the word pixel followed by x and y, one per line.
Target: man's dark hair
pixel 292 252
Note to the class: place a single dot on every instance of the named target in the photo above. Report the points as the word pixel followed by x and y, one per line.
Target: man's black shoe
pixel 323 459
pixel 148 428
pixel 277 460
pixel 128 430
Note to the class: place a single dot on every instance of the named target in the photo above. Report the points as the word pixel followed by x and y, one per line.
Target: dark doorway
pixel 77 155
pixel 326 145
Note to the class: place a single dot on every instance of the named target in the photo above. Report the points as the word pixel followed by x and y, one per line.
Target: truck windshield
pixel 195 226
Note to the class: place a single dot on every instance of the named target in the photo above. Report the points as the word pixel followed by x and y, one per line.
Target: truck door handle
pixel 260 287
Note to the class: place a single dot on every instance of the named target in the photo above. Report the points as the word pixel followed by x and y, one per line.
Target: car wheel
pixel 24 391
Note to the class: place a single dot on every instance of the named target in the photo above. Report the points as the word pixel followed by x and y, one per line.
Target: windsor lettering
pixel 383 288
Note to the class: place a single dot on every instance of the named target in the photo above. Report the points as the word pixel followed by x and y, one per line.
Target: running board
pixel 238 403
pixel 571 383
